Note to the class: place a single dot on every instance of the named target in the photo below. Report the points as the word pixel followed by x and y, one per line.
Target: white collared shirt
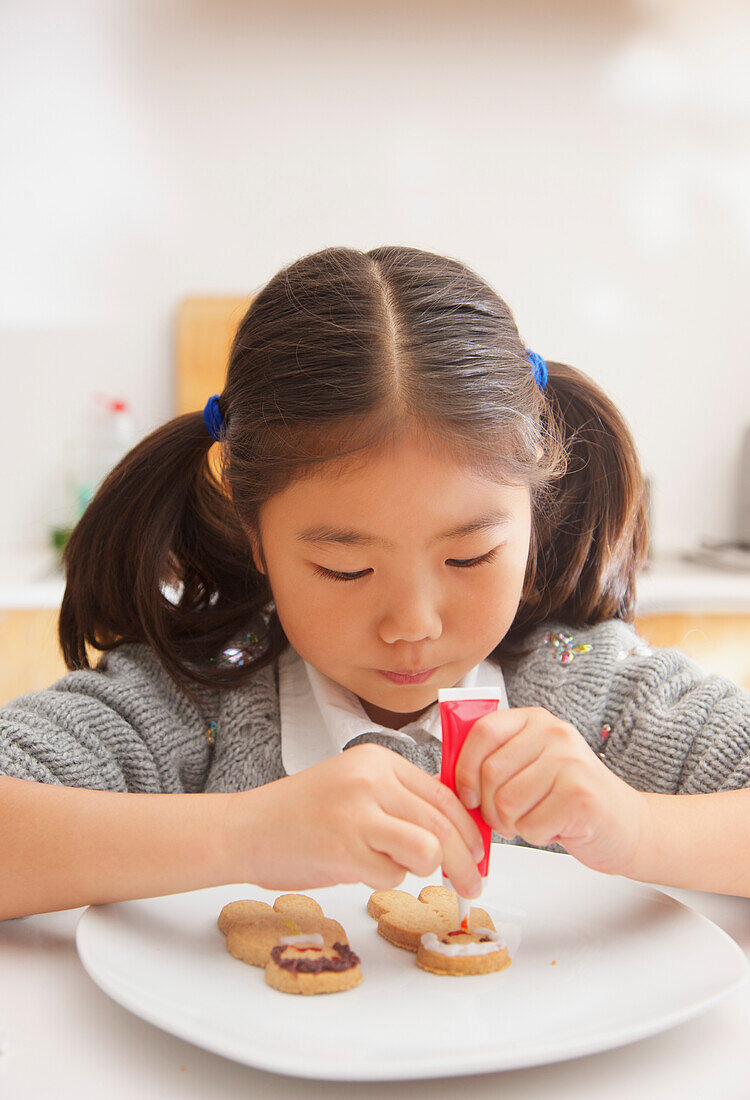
pixel 319 717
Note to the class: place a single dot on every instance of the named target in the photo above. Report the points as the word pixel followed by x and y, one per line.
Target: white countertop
pixel 61 1036
pixel 29 580
pixel 673 584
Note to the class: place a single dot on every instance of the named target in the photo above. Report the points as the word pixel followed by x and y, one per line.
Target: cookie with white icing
pixel 403 919
pixel 480 951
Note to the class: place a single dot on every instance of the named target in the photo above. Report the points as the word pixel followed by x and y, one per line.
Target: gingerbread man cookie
pixel 404 919
pixel 302 950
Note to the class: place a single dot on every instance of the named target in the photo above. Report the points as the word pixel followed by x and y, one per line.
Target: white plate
pixel 602 961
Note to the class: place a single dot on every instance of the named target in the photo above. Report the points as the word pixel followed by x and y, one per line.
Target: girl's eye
pixel 458 563
pixel 469 563
pixel 334 576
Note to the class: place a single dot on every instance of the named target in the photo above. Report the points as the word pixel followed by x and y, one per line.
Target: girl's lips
pixel 406 677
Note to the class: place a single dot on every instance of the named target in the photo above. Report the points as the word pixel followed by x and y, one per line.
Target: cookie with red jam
pixel 309 968
pixel 301 949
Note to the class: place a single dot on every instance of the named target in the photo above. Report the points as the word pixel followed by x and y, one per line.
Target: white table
pixel 61 1037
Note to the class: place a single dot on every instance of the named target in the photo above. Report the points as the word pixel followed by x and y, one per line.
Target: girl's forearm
pixel 61 847
pixel 696 842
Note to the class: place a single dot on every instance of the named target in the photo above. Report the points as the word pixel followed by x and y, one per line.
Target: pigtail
pixel 590 537
pixel 161 518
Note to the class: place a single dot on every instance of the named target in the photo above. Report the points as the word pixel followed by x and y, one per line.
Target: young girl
pixel 407 499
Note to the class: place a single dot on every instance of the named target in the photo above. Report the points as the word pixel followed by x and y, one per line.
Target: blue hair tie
pixel 213 419
pixel 538 369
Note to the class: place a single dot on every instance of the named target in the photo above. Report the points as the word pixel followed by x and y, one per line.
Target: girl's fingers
pixel 502 765
pixel 486 736
pixel 429 788
pixel 543 825
pixel 411 847
pixel 380 872
pixel 521 794
pixel 405 808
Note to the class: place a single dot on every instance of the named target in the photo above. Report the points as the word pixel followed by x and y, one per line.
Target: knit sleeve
pixel 123 727
pixel 677 729
pixel 657 719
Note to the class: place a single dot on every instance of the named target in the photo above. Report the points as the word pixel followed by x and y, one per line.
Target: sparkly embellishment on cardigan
pixel 236 656
pixel 635 651
pixel 563 647
pixel 211 734
pixel 603 737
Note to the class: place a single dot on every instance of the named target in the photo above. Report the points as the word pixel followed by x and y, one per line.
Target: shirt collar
pixel 319 717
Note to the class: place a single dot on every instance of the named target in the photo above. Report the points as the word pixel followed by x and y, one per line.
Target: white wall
pixel 591 160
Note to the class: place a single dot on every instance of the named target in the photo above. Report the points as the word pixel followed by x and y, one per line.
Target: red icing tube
pixel 459 710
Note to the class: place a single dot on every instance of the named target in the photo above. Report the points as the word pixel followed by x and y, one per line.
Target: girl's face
pixel 410 563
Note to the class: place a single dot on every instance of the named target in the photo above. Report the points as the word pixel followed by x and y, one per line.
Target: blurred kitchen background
pixel 590 159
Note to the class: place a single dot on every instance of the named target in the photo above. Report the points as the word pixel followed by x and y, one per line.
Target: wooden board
pixel 30 656
pixel 205 328
pixel 718 643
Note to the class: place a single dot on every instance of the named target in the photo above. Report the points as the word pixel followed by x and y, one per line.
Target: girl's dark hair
pixel 341 351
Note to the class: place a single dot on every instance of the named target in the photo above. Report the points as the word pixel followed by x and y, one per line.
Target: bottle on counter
pixel 112 432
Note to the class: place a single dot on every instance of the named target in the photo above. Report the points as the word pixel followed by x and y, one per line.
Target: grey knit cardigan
pixel 656 719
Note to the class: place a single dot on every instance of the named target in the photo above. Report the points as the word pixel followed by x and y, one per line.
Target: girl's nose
pixel 410 617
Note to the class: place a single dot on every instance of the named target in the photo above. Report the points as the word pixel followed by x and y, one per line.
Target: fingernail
pixel 469 798
pixel 476 889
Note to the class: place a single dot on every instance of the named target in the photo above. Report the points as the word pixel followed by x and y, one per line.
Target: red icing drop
pixel 462 932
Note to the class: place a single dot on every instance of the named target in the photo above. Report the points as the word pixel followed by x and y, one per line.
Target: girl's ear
pixel 258 560
pixel 251 533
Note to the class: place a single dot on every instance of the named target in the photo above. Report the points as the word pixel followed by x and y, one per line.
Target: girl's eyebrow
pixel 349 537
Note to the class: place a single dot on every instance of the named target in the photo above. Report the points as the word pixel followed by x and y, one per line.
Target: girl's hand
pixel 533 775
pixel 366 815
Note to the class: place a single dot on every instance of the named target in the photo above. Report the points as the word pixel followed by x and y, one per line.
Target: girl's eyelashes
pixel 469 563
pixel 457 563
pixel 332 575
